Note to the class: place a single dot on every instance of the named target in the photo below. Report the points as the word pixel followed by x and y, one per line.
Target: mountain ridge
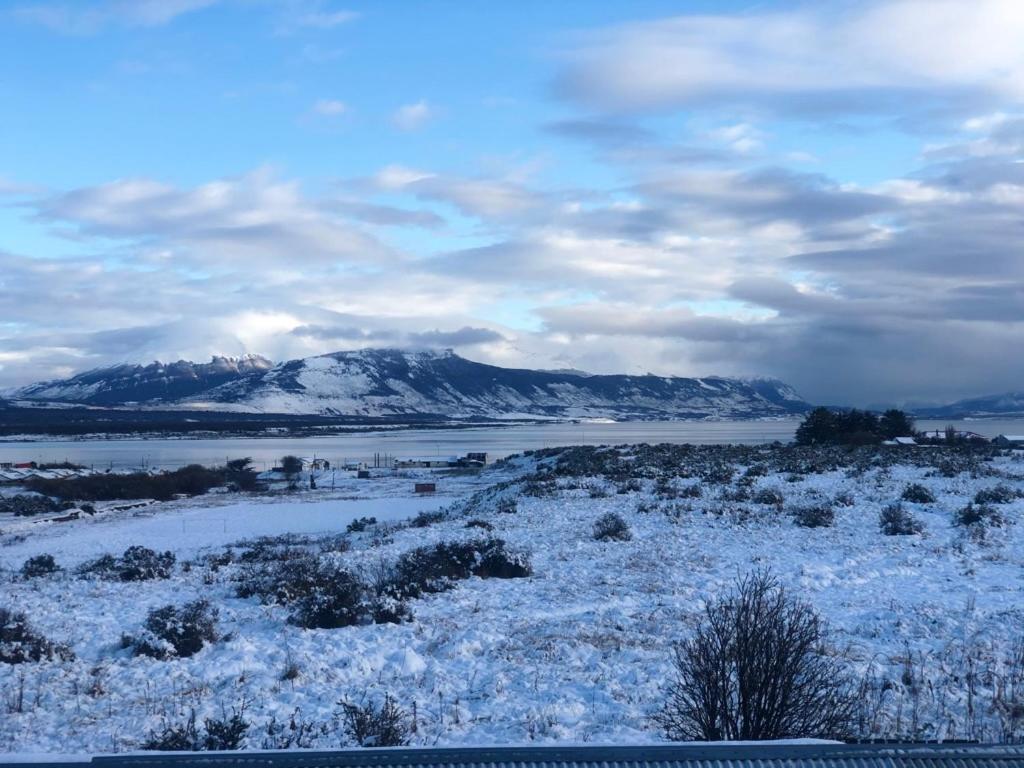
pixel 389 382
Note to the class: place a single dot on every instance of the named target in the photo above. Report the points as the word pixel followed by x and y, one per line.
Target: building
pixel 1009 441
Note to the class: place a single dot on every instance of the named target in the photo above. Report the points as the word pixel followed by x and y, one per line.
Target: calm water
pixel 497 442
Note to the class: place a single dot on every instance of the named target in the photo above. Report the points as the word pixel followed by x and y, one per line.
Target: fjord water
pixel 496 441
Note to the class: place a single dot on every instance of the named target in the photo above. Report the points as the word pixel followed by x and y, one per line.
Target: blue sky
pixel 684 187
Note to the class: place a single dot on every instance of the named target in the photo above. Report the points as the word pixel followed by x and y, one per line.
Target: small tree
pixel 757 669
pixel 291 466
pixel 240 474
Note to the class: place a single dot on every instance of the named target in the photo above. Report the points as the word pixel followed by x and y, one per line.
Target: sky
pixel 827 193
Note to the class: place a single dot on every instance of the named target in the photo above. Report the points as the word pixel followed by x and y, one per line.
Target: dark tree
pixel 240 474
pixel 895 423
pixel 817 428
pixel 757 669
pixel 291 465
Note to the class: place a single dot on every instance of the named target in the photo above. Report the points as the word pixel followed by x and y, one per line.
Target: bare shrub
pixel 369 725
pixel 894 520
pixel 219 734
pixel 757 668
pixel 611 527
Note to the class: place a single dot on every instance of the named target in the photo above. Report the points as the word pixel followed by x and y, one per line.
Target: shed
pixel 425 487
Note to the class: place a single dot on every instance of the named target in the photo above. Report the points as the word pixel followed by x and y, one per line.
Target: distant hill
pixel 388 382
pixel 1007 405
pixel 153 384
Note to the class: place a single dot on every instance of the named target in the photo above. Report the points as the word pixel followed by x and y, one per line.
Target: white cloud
pixel 412 117
pixel 818 57
pixel 330 107
pixel 88 17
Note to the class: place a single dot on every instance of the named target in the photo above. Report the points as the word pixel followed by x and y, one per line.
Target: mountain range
pixel 390 382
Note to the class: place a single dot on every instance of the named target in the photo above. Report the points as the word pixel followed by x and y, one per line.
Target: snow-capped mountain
pixel 388 382
pixel 153 384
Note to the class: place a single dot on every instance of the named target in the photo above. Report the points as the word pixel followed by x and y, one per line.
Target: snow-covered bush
pixel 979 515
pixel 437 568
pixel 1000 494
pixel 370 725
pixel 814 516
pixel 336 598
pixel 19 643
pixel 360 524
pixel 136 564
pixel 40 565
pixel 894 520
pixel 633 485
pixel 611 527
pixel 768 496
pixel 755 669
pixel 28 505
pixel 477 523
pixel 425 518
pixel 171 631
pixel 918 494
pixel 506 506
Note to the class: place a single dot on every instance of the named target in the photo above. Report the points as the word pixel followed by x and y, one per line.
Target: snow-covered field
pixel 578 651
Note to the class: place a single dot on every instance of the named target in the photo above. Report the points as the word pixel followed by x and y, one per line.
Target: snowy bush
pixel 477 523
pixel 918 494
pixel 19 643
pixel 1000 494
pixel 437 568
pixel 171 631
pixel 370 725
pixel 424 519
pixel 40 565
pixel 136 564
pixel 336 598
pixel 978 515
pixel 611 527
pixel 894 520
pixel 223 734
pixel 360 524
pixel 28 505
pixel 755 669
pixel 506 507
pixel 633 485
pixel 814 516
pixel 769 497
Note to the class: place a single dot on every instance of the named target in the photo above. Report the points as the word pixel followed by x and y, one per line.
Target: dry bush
pixel 757 669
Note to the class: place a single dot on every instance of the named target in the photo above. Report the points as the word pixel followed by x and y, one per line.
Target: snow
pixel 578 652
